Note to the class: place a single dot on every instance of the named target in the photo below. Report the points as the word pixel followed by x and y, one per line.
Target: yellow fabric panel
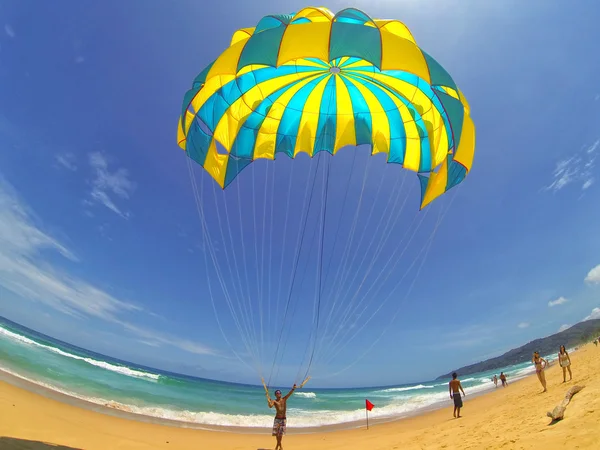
pixel 250 68
pixel 439 143
pixel 186 125
pixel 313 14
pixel 229 125
pixel 356 64
pixel 343 60
pixel 413 140
pixel 309 63
pixel 226 64
pixel 451 92
pixel 309 120
pixel 212 85
pixel 241 35
pixel 181 139
pixel 380 125
pixel 395 27
pixel 265 139
pixel 436 185
pixel 216 164
pixel 401 54
pixel 305 40
pixel 466 149
pixel 344 131
pixel 463 100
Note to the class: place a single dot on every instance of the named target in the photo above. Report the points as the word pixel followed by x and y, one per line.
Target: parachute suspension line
pixel 352 304
pixel 207 244
pixel 391 258
pixel 347 246
pixel 344 339
pixel 262 260
pixel 245 331
pixel 395 212
pixel 350 261
pixel 245 266
pixel 320 270
pixel 298 252
pixel 269 271
pixel 335 235
pixel 295 266
pixel 403 301
pixel 284 238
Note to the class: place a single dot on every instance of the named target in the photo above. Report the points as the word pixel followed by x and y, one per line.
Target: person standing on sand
pixel 454 386
pixel 495 380
pixel 503 379
pixel 540 364
pixel 565 362
pixel 279 424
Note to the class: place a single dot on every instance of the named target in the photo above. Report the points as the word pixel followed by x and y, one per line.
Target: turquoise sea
pixel 102 380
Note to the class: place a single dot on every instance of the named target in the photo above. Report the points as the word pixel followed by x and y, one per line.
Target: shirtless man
pixel 454 387
pixel 279 424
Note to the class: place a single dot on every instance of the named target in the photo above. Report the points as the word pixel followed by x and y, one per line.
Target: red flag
pixel 369 405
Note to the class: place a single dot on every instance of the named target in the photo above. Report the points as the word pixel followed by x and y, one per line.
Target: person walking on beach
pixel 279 424
pixel 495 379
pixel 503 379
pixel 454 386
pixel 565 362
pixel 540 364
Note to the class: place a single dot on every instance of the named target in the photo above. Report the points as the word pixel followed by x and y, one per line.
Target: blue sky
pixel 100 240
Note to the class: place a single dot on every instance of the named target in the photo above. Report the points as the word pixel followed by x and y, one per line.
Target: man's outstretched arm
pixel 290 393
pixel 269 401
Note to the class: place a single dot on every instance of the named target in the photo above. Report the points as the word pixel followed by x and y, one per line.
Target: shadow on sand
pixel 9 443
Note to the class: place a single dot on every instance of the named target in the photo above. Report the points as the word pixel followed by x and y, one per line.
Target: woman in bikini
pixel 565 363
pixel 537 360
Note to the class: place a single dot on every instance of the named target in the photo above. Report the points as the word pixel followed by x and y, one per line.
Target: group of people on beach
pixel 540 365
pixel 502 379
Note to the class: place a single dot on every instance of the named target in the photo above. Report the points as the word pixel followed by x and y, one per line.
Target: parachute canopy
pixel 316 81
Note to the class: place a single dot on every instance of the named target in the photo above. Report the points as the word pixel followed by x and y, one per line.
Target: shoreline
pixel 31 386
pixel 511 418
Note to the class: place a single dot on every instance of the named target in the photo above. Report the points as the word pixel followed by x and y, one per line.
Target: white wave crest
pixel 298 418
pixel 103 364
pixel 407 388
pixel 306 394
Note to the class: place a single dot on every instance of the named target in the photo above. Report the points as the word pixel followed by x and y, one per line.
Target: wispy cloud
pixel 595 314
pixel 593 276
pixel 24 271
pixel 576 169
pixel 67 161
pixel 106 184
pixel 10 32
pixel 468 336
pixel 558 301
pixel 564 327
pixel 523 325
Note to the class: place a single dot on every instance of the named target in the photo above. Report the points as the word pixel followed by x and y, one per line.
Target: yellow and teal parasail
pixel 316 81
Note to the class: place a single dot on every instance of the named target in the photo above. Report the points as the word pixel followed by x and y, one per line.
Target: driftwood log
pixel 559 411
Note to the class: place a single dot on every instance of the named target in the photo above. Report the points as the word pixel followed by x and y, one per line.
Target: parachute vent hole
pixel 335 70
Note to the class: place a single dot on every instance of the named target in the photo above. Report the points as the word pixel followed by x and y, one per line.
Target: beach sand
pixel 512 417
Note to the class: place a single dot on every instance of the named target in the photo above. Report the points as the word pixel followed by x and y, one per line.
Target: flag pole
pixel 367 412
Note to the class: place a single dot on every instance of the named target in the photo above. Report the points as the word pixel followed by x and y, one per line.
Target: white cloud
pixel 576 169
pixel 23 270
pixel 593 276
pixel 523 325
pixel 564 327
pixel 66 160
pixel 107 183
pixel 9 31
pixel 558 301
pixel 595 314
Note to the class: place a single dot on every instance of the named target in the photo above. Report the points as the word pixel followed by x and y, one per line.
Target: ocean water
pixel 99 379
